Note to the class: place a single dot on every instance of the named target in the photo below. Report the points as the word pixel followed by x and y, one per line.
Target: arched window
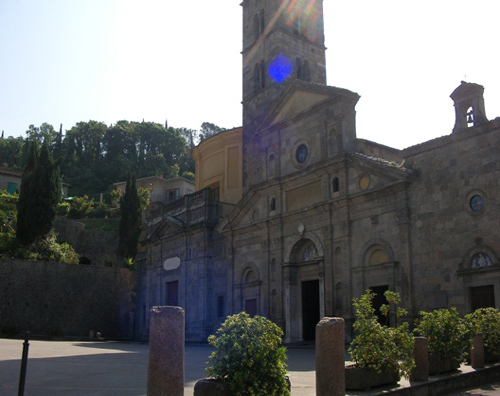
pixel 306 73
pixel 256 27
pixel 480 260
pixel 303 251
pixel 378 256
pixel 262 22
pixel 271 166
pixel 335 184
pixel 262 74
pixel 297 26
pixel 272 204
pixel 470 117
pixel 256 78
pixel 298 68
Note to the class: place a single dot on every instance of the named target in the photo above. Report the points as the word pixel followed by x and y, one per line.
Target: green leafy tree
pixel 448 335
pixel 248 356
pixel 43 134
pixel 208 129
pixel 379 347
pixel 39 196
pixel 487 321
pixel 130 220
pixel 8 214
pixel 11 152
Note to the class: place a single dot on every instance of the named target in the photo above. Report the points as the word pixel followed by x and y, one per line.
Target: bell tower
pixel 282 40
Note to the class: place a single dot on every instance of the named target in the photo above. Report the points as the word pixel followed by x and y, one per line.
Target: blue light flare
pixel 280 68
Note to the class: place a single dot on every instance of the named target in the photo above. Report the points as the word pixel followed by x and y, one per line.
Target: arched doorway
pixel 304 290
pixel 250 290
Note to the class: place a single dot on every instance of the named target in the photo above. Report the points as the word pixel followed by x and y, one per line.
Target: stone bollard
pixel 166 352
pixel 477 352
pixel 421 370
pixel 330 357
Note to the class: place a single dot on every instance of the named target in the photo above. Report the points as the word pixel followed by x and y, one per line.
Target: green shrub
pixel 98 212
pixel 80 207
pixel 63 208
pixel 8 244
pixel 248 356
pixel 487 321
pixel 447 334
pixel 379 347
pixel 47 249
pixel 8 211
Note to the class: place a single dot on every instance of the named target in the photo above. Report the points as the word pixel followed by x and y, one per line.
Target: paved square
pixel 58 368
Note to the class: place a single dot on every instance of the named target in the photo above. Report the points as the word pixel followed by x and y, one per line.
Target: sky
pixel 66 61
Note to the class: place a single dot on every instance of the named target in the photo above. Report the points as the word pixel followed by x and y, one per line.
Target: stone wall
pixel 57 299
pixel 95 247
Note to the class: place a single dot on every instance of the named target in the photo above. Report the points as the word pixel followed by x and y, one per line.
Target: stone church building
pixel 293 215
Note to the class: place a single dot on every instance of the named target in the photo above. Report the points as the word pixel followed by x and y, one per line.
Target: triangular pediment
pixel 381 173
pixel 166 227
pixel 301 97
pixel 250 209
pixel 297 102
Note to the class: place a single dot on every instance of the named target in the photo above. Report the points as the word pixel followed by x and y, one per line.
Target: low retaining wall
pixel 65 300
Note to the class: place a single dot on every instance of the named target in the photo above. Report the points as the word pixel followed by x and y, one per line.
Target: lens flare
pixel 303 16
pixel 280 68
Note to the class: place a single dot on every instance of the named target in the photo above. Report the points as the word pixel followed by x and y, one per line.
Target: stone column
pixel 166 352
pixel 477 358
pixel 420 353
pixel 330 357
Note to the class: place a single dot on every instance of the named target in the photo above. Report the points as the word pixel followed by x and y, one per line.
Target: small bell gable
pixel 469 106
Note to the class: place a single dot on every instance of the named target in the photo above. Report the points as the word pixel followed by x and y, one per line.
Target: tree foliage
pixel 248 356
pixel 94 155
pixel 208 129
pixel 380 347
pixel 130 220
pixel 487 321
pixel 448 335
pixel 39 196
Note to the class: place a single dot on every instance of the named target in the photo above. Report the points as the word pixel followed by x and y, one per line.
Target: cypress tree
pixel 130 220
pixel 40 194
pixel 26 198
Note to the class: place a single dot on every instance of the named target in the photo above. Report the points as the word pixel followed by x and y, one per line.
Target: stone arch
pixel 250 274
pixel 301 241
pixel 304 287
pixel 477 254
pixel 376 251
pixel 250 290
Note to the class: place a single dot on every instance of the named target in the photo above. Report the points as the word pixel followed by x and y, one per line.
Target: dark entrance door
pixel 482 297
pixel 251 307
pixel 310 309
pixel 378 301
pixel 173 293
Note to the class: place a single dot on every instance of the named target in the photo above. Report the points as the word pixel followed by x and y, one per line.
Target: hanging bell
pixel 470 118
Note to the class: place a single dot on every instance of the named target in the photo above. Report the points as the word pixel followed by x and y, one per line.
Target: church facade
pixel 294 215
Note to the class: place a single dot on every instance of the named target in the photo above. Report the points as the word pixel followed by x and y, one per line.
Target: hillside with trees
pixel 94 155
